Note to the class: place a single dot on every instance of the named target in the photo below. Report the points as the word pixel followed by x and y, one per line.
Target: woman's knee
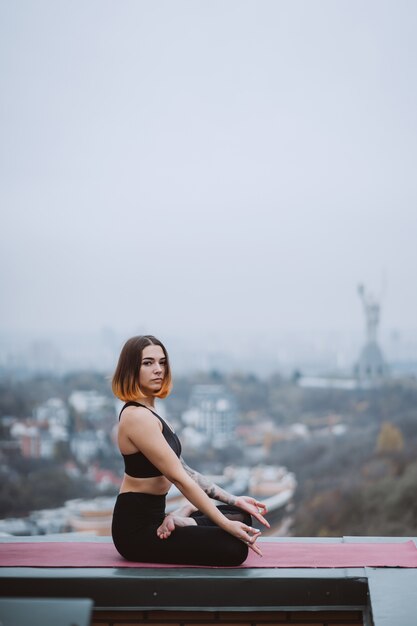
pixel 235 513
pixel 237 553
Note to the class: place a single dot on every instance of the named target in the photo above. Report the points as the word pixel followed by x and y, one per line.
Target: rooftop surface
pixel 384 594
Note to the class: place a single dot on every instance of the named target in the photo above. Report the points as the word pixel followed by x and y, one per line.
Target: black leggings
pixel 137 516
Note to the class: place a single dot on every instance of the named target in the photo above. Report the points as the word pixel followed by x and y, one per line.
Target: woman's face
pixel 152 370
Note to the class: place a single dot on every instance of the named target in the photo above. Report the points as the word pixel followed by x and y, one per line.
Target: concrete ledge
pixel 209 590
pixel 190 588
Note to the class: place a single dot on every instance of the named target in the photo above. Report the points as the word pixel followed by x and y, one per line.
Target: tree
pixel 390 439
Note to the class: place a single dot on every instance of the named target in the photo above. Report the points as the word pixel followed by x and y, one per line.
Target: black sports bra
pixel 136 463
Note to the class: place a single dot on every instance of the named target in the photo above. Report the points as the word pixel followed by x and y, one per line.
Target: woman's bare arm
pixel 246 503
pixel 210 488
pixel 144 430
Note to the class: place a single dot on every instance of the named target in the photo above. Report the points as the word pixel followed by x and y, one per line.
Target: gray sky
pixel 205 165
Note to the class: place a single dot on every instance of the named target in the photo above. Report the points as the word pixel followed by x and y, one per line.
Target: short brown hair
pixel 125 382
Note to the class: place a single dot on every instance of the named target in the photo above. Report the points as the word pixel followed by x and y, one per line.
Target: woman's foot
pixel 170 522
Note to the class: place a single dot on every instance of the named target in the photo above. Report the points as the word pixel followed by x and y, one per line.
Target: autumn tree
pixel 390 439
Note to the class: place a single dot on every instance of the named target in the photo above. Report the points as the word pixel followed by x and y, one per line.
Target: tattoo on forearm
pixel 212 490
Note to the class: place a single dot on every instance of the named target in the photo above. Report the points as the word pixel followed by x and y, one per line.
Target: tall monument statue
pixel 371 364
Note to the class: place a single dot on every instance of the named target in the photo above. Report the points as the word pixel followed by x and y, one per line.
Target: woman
pixel 199 533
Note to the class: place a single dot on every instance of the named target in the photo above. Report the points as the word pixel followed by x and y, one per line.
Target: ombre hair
pixel 125 382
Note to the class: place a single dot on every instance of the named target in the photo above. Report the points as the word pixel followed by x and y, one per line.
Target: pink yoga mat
pixel 275 554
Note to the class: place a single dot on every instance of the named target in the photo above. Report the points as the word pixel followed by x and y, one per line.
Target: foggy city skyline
pixel 207 170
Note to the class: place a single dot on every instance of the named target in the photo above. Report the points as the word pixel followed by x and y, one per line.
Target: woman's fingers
pixel 252 545
pixel 245 533
pixel 255 548
pixel 251 536
pixel 261 519
pixel 261 511
pixel 255 508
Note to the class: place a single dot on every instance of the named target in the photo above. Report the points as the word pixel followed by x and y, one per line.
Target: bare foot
pixel 170 522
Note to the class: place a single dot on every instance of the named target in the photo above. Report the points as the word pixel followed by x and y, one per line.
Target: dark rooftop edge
pixel 383 591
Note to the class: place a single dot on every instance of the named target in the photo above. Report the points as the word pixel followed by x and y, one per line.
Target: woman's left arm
pixel 246 503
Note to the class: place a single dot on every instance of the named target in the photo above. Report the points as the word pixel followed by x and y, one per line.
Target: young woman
pixel 200 533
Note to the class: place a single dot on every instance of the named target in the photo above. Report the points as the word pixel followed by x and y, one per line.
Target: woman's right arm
pixel 246 503
pixel 145 433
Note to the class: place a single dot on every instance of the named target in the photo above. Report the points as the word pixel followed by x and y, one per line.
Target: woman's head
pixel 134 369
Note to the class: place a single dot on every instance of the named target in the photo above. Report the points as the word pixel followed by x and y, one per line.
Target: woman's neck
pixel 148 401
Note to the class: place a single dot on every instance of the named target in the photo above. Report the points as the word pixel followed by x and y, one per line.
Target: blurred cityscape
pixel 312 351
pixel 331 449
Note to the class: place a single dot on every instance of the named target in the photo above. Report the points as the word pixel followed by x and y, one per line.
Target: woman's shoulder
pixel 132 408
pixel 137 413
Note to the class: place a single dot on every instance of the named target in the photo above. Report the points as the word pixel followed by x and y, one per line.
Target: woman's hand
pixel 252 506
pixel 245 533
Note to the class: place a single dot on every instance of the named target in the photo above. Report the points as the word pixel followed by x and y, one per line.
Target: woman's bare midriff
pixel 156 486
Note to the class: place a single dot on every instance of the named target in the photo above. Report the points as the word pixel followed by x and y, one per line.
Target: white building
pixel 54 411
pixel 85 446
pixel 212 413
pixel 89 403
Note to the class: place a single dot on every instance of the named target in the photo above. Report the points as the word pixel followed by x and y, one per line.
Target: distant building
pixel 87 445
pixel 371 365
pixel 34 443
pixel 27 438
pixel 54 411
pixel 84 446
pixel 212 413
pixel 89 403
pixel 47 445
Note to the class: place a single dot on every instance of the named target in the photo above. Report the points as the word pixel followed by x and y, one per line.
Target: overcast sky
pixel 169 165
